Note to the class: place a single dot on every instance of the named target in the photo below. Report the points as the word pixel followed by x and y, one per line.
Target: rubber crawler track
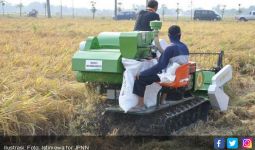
pixel 160 123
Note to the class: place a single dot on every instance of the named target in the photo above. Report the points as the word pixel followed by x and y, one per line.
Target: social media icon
pixel 219 143
pixel 247 143
pixel 232 143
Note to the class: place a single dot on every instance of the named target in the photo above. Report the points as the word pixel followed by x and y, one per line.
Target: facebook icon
pixel 219 143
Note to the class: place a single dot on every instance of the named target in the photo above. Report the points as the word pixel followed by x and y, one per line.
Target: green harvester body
pixel 99 60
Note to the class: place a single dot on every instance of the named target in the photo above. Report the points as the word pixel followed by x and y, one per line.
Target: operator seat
pixel 180 83
pixel 181 79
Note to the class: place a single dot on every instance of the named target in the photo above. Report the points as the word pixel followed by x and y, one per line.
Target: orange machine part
pixel 182 74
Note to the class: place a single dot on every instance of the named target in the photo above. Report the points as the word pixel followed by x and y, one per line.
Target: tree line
pixel 118 7
pixel 48 10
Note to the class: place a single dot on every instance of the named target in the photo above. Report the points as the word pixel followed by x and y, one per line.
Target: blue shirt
pixel 177 52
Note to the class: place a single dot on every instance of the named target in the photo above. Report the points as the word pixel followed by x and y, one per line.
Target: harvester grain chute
pixel 99 61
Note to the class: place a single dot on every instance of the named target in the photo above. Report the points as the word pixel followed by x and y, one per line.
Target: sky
pixel 128 4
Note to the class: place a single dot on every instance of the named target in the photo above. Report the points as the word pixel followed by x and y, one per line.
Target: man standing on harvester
pixel 145 16
pixel 177 52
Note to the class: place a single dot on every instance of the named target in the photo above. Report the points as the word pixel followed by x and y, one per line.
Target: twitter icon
pixel 232 143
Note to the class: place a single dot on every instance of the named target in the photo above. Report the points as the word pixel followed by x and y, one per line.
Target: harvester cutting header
pixel 183 95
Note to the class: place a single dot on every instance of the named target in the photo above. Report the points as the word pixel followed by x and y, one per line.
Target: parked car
pixel 33 13
pixel 250 16
pixel 126 15
pixel 206 15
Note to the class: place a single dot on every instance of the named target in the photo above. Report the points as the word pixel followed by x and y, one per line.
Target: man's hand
pixel 149 58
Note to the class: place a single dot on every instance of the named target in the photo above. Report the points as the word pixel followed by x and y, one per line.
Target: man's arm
pixel 162 64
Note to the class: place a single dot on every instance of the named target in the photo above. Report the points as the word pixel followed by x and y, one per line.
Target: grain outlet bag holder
pixel 127 99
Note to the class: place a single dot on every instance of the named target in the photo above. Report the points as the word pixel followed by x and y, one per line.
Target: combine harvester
pixel 99 61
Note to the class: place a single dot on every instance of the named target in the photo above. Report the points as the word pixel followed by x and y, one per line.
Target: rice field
pixel 40 96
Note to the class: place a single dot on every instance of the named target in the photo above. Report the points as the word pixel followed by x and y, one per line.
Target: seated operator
pixel 145 16
pixel 177 52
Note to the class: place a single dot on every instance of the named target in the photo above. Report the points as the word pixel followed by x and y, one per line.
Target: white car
pixel 250 16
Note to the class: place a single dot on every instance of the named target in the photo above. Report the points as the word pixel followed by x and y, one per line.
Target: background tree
pixel 239 9
pixel 48 8
pixel 223 11
pixel 191 10
pixel 3 3
pixel 217 8
pixel 135 7
pixel 163 6
pixel 177 12
pixel 93 8
pixel 61 9
pixel 119 6
pixel 115 8
pixel 45 9
pixel 20 6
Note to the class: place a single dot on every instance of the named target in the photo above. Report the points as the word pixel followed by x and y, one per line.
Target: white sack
pixel 127 99
pixel 168 75
pixel 150 95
